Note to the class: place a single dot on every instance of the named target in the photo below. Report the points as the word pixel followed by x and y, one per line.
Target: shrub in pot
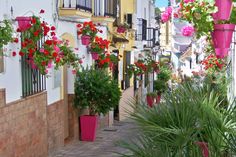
pixel 94 89
pixel 164 73
pixel 160 87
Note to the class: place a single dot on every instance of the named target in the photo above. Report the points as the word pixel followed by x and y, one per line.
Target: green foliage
pixel 160 86
pixel 190 114
pixel 6 32
pixel 164 74
pixel 95 89
pixel 152 94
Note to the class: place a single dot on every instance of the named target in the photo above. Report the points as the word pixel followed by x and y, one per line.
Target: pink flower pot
pixel 85 39
pixel 224 9
pixel 121 29
pixel 222 35
pixel 23 22
pixel 88 126
pixel 204 148
pixel 158 98
pixel 150 101
pixel 95 55
pixel 221 52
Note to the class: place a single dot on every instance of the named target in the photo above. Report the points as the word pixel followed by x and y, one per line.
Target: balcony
pixel 152 36
pixel 105 10
pixel 141 33
pixel 76 9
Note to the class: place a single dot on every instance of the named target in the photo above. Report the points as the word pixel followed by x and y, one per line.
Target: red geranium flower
pixel 53 28
pixel 21 53
pixel 42 11
pixel 16 40
pixel 13 53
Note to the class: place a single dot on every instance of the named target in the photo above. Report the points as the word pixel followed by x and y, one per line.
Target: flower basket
pixel 224 9
pixel 150 101
pixel 88 126
pixel 95 55
pixel 85 39
pixel 121 29
pixel 23 22
pixel 221 52
pixel 222 35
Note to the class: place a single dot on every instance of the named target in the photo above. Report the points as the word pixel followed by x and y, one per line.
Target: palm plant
pixel 189 115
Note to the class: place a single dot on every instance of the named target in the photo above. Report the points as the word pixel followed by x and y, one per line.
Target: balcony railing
pixel 141 33
pixel 85 5
pixel 105 8
pixel 152 36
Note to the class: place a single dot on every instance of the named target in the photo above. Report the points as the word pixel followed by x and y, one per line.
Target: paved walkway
pixel 105 144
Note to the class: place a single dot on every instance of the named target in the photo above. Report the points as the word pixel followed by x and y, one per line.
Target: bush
pixel 96 90
pixel 160 86
pixel 164 74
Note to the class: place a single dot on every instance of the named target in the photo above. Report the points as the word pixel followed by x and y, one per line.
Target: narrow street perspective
pixel 117 78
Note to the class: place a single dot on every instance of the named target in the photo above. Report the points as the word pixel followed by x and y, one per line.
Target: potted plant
pixel 212 64
pixel 122 28
pixel 224 9
pixel 98 47
pixel 6 31
pixel 164 73
pixel 160 86
pixel 88 31
pixel 24 22
pixel 95 90
pixel 150 98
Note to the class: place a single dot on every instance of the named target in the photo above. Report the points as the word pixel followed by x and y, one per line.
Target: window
pixel 1 61
pixel 32 81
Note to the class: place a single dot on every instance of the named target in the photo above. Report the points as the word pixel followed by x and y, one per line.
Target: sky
pixel 161 3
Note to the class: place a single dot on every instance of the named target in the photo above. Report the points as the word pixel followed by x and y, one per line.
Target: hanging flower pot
pixel 221 52
pixel 23 23
pixel 121 29
pixel 224 9
pixel 222 35
pixel 158 98
pixel 150 101
pixel 88 126
pixel 85 39
pixel 95 55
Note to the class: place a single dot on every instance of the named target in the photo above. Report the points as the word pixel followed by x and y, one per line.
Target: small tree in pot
pixel 94 89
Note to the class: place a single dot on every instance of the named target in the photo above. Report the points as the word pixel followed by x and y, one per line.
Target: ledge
pixel 73 13
pixel 102 19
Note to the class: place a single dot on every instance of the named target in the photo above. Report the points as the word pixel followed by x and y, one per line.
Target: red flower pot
pixel 158 98
pixel 85 39
pixel 23 23
pixel 121 29
pixel 204 148
pixel 95 55
pixel 222 35
pixel 221 52
pixel 88 126
pixel 150 101
pixel 224 10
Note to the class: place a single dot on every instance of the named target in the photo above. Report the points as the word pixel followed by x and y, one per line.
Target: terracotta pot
pixel 85 39
pixel 224 10
pixel 23 22
pixel 88 127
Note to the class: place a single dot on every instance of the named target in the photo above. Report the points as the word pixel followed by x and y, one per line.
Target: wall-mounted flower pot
pixel 23 22
pixel 222 35
pixel 121 29
pixel 95 55
pixel 224 9
pixel 150 101
pixel 85 39
pixel 221 52
pixel 158 98
pixel 88 126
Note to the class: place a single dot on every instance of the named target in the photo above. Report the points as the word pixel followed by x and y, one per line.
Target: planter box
pixel 88 127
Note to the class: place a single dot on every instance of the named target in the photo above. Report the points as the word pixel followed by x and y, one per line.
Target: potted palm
pixel 96 91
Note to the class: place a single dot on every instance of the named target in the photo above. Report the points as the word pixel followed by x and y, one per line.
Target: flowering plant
pixel 88 28
pixel 107 60
pixel 213 64
pixel 99 45
pixel 187 31
pixel 199 13
pixel 52 51
pixel 6 33
pixel 166 15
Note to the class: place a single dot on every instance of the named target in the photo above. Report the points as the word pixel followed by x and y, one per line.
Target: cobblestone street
pixel 105 144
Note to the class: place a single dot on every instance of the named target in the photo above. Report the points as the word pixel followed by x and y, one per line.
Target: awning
pixel 119 38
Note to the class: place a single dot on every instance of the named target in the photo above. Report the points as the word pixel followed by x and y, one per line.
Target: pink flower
pixel 73 71
pixel 56 48
pixel 165 17
pixel 46 71
pixel 41 50
pixel 169 10
pixel 187 31
pixel 188 1
pixel 49 65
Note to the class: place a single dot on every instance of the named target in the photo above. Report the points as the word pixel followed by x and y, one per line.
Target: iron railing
pixel 105 8
pixel 141 33
pixel 85 5
pixel 32 81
